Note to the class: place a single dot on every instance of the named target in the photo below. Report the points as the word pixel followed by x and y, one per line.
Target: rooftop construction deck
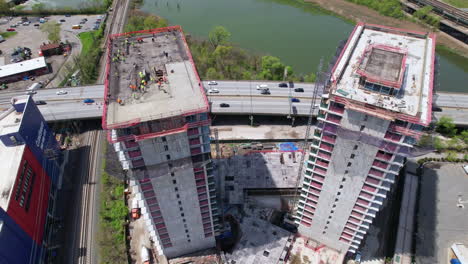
pixel 150 75
pixel 388 68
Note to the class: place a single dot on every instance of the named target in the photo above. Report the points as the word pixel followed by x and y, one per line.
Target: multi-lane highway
pixel 241 96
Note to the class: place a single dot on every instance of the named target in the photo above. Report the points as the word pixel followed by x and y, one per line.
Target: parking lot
pixel 31 36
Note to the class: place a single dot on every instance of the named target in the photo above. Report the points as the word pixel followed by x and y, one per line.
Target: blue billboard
pixel 16 247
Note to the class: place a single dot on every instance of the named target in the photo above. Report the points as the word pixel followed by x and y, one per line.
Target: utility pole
pixel 218 154
pixel 251 105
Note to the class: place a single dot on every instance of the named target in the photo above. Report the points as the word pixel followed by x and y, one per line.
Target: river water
pixel 298 33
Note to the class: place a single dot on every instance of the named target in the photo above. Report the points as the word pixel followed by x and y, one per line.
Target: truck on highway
pixel 34 86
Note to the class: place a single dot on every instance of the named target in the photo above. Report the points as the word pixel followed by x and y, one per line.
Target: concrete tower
pixel 157 116
pixel 372 112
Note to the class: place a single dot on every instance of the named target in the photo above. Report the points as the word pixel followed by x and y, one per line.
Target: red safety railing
pixel 376 173
pixel 329 139
pixel 380 164
pixel 372 181
pixel 310 208
pixel 326 147
pixel 384 156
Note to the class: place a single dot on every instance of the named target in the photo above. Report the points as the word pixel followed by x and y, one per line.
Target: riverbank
pixel 359 13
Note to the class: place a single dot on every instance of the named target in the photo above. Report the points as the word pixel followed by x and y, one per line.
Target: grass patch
pixel 8 34
pixel 88 40
pixel 457 3
pixel 112 217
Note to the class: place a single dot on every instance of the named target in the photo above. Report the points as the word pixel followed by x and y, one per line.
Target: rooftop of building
pixel 24 66
pixel 442 211
pixel 10 157
pixel 159 60
pixel 377 57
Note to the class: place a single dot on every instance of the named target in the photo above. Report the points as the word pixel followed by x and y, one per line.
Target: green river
pixel 299 34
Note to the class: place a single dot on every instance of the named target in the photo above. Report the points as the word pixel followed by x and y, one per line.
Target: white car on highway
pixel 61 92
pixel 262 86
pixel 213 91
pixel 212 83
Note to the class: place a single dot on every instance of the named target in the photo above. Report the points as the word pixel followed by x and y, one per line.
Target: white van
pixel 34 87
pixel 262 86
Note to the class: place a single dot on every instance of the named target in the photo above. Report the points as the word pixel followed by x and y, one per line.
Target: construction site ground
pixel 262 132
pixel 139 237
pixel 260 242
pixel 32 37
pixel 310 252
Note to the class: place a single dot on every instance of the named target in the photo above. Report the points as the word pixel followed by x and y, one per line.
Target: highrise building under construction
pixel 156 114
pixel 374 107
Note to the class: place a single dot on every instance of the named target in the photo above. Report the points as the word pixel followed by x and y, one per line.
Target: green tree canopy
pixel 446 127
pixel 219 36
pixel 4 7
pixel 52 29
pixel 273 68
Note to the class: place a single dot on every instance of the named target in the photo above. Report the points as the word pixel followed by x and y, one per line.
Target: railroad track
pixel 446 8
pixel 84 230
pixel 116 25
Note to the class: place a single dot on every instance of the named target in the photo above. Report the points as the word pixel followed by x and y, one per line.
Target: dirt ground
pixel 364 14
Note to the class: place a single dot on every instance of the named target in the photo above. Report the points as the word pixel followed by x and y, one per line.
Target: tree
pixel 38 8
pixel 219 35
pixel 4 7
pixel 52 29
pixel 446 127
pixel 272 68
pixel 451 156
pixel 464 136
pixel 439 145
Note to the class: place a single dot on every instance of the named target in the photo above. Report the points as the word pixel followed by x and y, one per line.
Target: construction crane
pixel 305 143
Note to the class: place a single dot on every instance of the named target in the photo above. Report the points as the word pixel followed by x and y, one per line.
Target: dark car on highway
pixel 284 85
pixel 62 20
pixel 265 91
pixel 40 102
pixel 295 100
pixel 224 105
pixel 299 90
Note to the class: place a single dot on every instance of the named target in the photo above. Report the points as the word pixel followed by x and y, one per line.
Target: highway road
pixel 235 93
pixel 263 106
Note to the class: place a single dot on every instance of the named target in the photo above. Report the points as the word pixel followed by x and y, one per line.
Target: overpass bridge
pixel 242 96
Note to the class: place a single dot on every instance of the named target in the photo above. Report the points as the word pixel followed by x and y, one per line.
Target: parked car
pixel 213 91
pixel 212 83
pixel 88 101
pixel 11 29
pixel 223 105
pixel 36 25
pixel 40 102
pixel 299 90
pixel 61 92
pixel 295 100
pixel 13 26
pixel 67 15
pixel 262 86
pixel 284 85
pixel 26 23
pixel 62 20
pixel 82 22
